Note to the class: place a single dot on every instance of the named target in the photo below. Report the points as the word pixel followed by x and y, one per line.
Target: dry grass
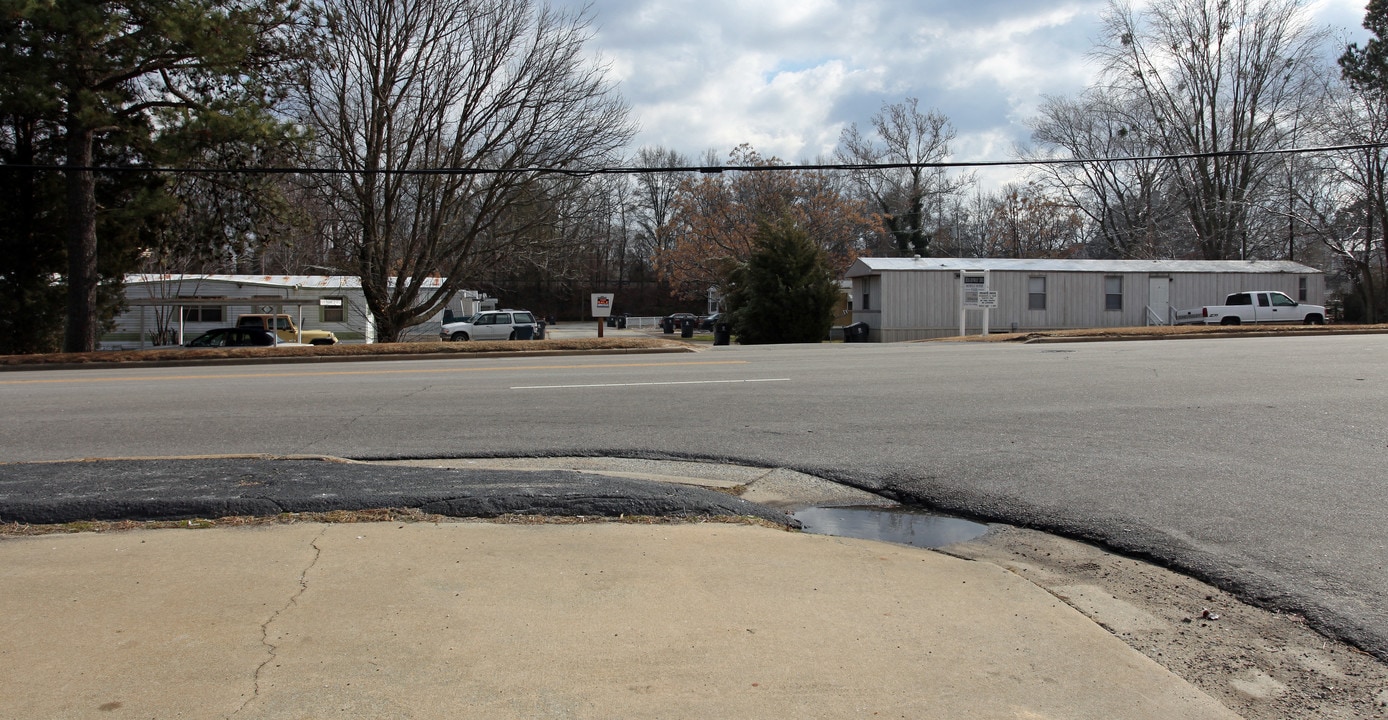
pixel 1166 331
pixel 352 350
pixel 617 344
pixel 343 517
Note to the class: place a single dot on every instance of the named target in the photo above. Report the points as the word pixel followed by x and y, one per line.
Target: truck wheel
pixel 459 337
pixel 1314 319
pixel 1229 321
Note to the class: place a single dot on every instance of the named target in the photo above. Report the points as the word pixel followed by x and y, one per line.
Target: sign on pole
pixel 602 308
pixel 974 294
pixel 602 305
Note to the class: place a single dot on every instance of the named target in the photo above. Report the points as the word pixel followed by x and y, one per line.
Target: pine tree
pixel 1367 68
pixel 785 292
pixel 111 78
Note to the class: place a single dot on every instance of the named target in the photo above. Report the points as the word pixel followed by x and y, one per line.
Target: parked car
pixel 284 327
pixel 492 325
pixel 680 317
pixel 1257 306
pixel 708 321
pixel 234 337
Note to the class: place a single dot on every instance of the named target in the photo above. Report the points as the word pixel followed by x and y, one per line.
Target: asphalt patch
pixel 51 493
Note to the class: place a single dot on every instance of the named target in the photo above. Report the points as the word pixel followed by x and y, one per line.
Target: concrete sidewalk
pixel 475 619
pixel 607 620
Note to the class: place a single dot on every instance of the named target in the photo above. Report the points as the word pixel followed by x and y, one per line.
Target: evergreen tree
pixel 110 80
pixel 1366 68
pixel 785 292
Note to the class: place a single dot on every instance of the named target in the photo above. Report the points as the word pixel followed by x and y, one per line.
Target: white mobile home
pixel 916 298
pixel 168 309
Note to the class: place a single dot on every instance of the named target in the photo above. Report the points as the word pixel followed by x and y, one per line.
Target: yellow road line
pixel 402 371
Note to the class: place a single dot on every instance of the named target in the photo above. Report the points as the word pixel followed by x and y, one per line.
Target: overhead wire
pixel 693 169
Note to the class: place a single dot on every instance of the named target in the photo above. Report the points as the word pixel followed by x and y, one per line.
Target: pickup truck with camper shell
pixel 283 326
pixel 1253 307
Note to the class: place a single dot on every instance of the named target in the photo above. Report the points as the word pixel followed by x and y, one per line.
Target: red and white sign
pixel 602 305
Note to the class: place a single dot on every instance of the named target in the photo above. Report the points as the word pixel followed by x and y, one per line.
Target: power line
pixel 700 169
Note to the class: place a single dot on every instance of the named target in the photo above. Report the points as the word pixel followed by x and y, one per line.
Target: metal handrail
pixel 1152 315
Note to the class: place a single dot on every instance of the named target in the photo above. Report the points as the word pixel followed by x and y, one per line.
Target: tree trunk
pixel 81 241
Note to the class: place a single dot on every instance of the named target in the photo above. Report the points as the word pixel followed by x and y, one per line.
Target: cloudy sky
pixel 788 75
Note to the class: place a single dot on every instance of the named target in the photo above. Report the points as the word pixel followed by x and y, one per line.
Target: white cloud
pixel 788 75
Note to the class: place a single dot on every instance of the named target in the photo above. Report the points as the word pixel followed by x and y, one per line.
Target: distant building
pixel 170 309
pixel 916 298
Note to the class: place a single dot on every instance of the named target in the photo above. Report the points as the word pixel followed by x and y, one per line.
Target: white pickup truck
pixel 1255 306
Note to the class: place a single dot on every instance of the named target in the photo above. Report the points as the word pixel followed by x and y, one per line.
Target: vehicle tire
pixel 513 335
pixel 1314 319
pixel 321 341
pixel 1229 321
pixel 459 337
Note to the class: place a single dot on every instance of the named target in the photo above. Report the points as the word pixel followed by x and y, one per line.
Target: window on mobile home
pixel 1113 292
pixel 1036 293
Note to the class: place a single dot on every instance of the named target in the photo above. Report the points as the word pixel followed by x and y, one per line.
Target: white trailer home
pixel 916 298
pixel 170 309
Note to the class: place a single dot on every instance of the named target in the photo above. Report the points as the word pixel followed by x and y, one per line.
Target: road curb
pixel 310 359
pixel 1201 336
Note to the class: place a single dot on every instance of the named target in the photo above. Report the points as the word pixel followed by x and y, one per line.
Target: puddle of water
pixel 904 525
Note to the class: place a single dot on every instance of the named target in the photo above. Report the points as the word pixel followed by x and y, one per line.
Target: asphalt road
pixel 1255 463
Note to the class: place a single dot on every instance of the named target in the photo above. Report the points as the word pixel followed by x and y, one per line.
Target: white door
pixel 1159 301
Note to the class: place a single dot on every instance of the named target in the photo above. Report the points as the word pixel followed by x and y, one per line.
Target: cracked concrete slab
pixel 164 624
pixel 265 627
pixel 576 621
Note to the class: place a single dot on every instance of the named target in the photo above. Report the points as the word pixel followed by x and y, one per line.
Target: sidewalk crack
pixel 272 650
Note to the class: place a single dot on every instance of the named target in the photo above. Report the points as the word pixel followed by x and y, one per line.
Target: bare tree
pixel 716 218
pixel 1215 76
pixel 1026 221
pixel 655 197
pixel 438 113
pixel 1341 199
pixel 1127 203
pixel 902 134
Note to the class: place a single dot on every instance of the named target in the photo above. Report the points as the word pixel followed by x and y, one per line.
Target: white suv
pixel 492 325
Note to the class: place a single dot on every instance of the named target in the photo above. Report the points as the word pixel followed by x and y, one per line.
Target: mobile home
pixel 916 298
pixel 168 309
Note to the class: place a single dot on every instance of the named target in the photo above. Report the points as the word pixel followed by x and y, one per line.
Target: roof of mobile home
pixel 324 282
pixel 872 266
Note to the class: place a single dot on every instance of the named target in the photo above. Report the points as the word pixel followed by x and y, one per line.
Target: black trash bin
pixel 722 334
pixel 856 332
pixel 668 325
pixel 621 322
pixel 540 330
pixel 611 322
pixel 687 328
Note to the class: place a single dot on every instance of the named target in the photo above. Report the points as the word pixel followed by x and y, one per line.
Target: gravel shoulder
pixel 1262 665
